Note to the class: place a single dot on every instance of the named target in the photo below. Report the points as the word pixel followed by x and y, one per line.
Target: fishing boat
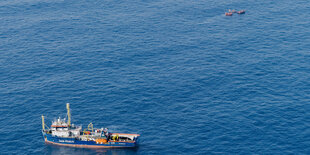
pixel 241 12
pixel 64 133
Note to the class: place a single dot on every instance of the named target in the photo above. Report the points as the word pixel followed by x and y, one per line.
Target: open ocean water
pixel 187 78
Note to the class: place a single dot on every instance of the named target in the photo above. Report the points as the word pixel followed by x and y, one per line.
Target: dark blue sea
pixel 180 73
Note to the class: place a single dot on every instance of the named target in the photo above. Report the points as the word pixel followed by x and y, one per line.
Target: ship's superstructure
pixel 62 132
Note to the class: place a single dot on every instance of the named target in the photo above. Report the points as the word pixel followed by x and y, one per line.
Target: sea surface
pixel 180 73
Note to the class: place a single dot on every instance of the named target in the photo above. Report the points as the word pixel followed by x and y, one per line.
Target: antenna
pixel 69 115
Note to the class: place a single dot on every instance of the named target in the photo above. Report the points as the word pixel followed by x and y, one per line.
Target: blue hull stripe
pixel 89 144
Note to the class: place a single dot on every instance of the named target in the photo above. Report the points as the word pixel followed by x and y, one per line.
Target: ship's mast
pixel 43 125
pixel 69 115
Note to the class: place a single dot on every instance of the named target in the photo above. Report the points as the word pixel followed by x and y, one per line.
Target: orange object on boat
pixel 101 141
pixel 228 13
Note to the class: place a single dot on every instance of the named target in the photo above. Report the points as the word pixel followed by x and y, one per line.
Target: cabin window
pixel 124 139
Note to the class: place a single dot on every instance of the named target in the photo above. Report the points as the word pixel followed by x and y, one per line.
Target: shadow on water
pixel 56 150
